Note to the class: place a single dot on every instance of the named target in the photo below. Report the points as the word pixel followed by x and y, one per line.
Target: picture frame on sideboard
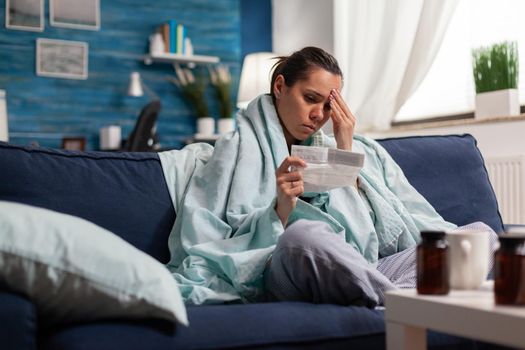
pixel 74 143
pixel 24 15
pixel 76 14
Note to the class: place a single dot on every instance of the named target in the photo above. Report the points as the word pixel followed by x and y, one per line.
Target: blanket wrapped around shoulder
pixel 227 228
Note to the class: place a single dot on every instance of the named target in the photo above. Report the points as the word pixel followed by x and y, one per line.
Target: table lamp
pixel 255 76
pixel 137 87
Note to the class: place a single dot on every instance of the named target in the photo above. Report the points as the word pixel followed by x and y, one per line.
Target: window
pixel 448 88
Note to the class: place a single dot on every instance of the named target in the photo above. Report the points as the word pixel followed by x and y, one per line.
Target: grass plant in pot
pixel 194 90
pixel 221 80
pixel 495 70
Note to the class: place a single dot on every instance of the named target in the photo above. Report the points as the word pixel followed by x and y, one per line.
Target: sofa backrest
pixel 126 192
pixel 450 173
pixel 122 192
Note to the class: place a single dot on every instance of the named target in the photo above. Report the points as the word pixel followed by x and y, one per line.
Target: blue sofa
pixel 127 194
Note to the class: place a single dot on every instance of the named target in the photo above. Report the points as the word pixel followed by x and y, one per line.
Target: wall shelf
pixel 183 59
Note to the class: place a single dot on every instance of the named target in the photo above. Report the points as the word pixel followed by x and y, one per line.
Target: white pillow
pixel 74 270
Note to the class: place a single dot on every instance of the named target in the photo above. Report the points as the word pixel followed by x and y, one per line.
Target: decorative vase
pixel 499 103
pixel 205 126
pixel 226 125
pixel 156 44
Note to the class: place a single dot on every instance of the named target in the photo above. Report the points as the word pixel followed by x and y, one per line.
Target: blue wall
pixel 46 109
pixel 256 26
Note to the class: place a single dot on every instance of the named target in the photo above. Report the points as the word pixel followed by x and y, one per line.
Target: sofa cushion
pixel 450 173
pixel 74 270
pixel 122 192
pixel 233 326
pixel 18 319
pixel 280 325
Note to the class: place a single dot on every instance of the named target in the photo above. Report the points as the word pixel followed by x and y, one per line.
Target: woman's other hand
pixel 289 186
pixel 343 121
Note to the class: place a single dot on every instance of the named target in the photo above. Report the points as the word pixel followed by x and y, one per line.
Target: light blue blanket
pixel 226 226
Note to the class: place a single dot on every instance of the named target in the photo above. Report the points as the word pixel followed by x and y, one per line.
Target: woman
pixel 245 228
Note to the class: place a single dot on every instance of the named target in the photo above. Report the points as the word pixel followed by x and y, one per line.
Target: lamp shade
pixel 135 85
pixel 255 76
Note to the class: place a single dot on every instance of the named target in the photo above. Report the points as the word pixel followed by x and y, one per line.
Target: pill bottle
pixel 509 270
pixel 432 263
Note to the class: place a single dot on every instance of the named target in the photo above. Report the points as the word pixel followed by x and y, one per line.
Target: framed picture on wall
pixel 62 59
pixel 24 15
pixel 78 14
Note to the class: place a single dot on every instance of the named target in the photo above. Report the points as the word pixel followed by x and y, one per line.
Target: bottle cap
pixel 511 239
pixel 433 235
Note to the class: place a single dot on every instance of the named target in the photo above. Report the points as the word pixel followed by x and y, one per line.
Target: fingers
pixel 291 189
pixel 339 116
pixel 340 111
pixel 289 162
pixel 342 104
pixel 290 183
pixel 337 113
pixel 291 180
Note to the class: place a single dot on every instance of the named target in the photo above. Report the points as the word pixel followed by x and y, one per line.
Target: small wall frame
pixel 62 58
pixel 77 14
pixel 24 15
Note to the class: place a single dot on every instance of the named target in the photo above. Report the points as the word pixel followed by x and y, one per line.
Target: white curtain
pixel 385 48
pixel 300 23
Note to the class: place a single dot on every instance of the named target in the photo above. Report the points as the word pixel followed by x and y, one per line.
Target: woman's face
pixel 304 107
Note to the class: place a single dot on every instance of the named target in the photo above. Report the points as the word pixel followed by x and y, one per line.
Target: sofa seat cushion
pixel 232 326
pixel 277 325
pixel 18 321
pixel 450 173
pixel 124 193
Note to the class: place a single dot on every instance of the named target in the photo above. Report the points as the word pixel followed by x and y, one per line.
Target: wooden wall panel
pixel 44 110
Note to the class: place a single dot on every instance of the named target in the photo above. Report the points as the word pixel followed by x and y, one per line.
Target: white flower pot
pixel 206 126
pixel 226 125
pixel 500 103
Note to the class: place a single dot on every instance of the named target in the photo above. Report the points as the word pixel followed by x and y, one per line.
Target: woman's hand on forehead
pixel 343 121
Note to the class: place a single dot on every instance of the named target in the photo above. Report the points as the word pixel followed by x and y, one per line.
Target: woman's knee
pixel 307 234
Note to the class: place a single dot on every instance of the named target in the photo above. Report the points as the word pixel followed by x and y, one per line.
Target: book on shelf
pixel 165 31
pixel 173 35
pixel 181 34
pixel 175 38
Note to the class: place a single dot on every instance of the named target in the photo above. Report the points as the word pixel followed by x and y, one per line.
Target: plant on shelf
pixel 192 88
pixel 496 67
pixel 221 81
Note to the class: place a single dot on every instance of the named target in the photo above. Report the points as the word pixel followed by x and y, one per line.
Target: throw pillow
pixel 74 270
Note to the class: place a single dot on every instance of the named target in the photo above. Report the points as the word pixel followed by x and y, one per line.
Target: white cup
pixel 468 258
pixel 110 137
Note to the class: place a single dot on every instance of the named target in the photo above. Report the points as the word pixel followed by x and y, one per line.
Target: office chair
pixel 143 138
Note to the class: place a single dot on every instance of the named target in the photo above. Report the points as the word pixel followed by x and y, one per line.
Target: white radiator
pixel 507 175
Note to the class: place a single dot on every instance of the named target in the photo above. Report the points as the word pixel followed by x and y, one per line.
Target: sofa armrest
pixel 18 320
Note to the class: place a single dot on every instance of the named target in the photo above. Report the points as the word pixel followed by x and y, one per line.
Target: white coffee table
pixel 470 314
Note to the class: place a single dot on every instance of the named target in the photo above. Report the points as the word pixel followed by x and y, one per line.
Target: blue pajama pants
pixel 312 264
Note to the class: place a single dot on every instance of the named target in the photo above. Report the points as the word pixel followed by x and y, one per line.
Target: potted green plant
pixel 221 80
pixel 495 70
pixel 194 90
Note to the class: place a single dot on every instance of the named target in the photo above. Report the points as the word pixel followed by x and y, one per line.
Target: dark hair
pixel 298 65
